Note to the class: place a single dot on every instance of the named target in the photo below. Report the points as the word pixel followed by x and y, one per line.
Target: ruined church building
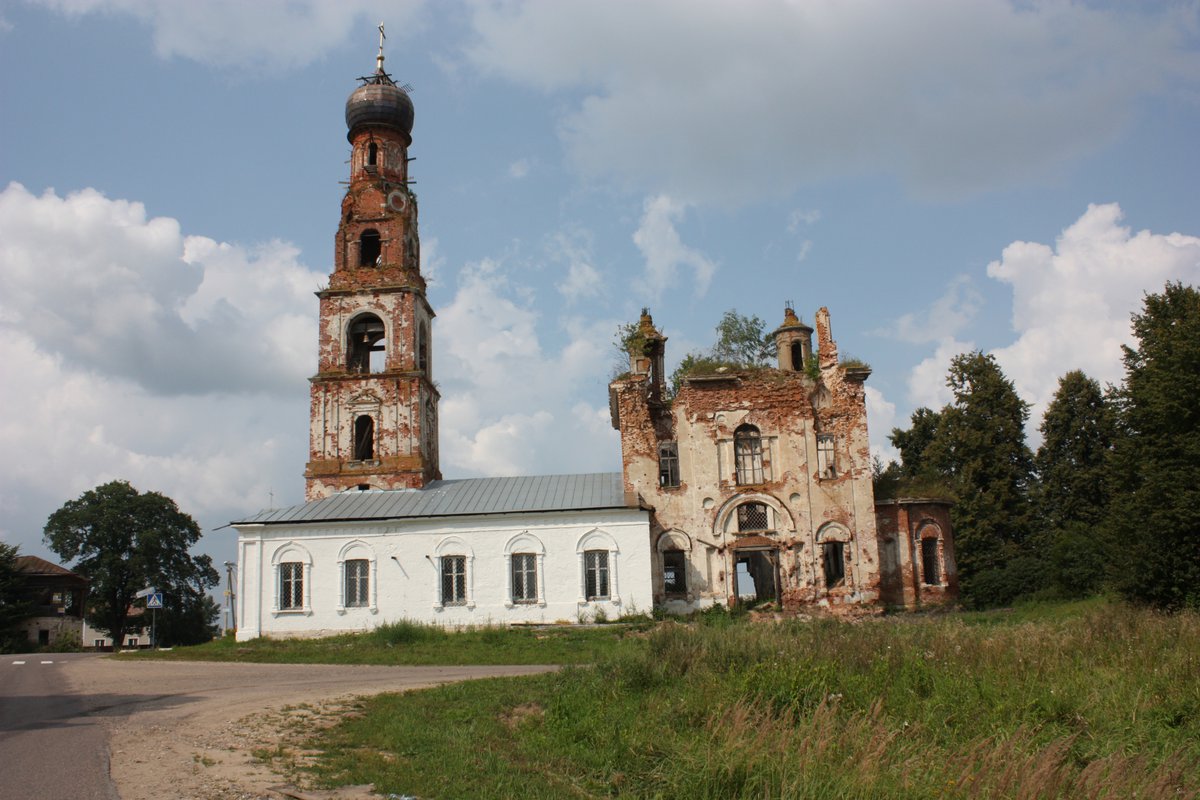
pixel 747 486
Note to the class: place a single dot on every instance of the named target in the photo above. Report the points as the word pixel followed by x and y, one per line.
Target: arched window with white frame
pixel 291 565
pixel 598 553
pixel 357 568
pixel 525 556
pixel 455 564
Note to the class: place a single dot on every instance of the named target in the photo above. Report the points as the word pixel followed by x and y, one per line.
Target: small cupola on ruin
pixel 793 340
pixel 646 355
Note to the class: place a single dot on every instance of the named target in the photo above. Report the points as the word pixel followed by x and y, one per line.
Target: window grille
pixel 291 585
pixel 595 564
pixel 753 517
pixel 357 582
pixel 524 578
pixel 454 580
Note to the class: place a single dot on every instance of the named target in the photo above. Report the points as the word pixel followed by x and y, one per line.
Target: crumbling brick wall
pixel 807 508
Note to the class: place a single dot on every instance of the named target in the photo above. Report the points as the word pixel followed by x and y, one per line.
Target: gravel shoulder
pixel 189 729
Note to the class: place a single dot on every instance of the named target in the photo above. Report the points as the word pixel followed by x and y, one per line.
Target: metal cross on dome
pixel 379 58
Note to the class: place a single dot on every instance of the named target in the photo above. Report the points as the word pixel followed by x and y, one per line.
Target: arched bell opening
pixel 366 346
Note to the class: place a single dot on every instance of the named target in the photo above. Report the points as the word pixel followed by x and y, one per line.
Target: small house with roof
pixel 57 596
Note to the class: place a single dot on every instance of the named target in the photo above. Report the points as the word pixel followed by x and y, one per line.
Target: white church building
pixel 382 537
pixel 468 552
pixel 746 486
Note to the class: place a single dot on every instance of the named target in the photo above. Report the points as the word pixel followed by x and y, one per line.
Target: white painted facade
pixel 404 560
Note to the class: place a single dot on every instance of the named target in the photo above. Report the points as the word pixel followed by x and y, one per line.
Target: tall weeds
pixel 1102 703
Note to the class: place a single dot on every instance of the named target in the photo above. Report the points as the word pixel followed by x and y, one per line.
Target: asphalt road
pixel 100 727
pixel 50 747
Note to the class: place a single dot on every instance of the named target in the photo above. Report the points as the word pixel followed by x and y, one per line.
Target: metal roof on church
pixel 465 497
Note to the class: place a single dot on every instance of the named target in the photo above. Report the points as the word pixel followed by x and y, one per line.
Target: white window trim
pixel 453 546
pixel 290 553
pixel 597 539
pixel 525 542
pixel 357 549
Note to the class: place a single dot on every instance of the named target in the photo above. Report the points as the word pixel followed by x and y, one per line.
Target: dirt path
pixel 188 729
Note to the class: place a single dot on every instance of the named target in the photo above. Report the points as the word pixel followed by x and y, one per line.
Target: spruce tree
pixel 980 449
pixel 1155 515
pixel 1073 490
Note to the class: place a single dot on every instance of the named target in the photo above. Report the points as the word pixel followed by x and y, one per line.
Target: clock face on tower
pixel 397 200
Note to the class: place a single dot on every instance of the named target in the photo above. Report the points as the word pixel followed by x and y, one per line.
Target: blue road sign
pixel 154 600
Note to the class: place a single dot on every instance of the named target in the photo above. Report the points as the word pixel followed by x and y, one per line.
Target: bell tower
pixel 373 422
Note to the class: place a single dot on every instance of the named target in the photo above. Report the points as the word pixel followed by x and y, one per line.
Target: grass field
pixel 1091 700
pixel 407 643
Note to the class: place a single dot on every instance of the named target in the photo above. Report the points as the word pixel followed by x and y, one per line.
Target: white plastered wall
pixel 406 578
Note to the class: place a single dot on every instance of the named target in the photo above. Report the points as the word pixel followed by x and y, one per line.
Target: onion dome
pixel 379 101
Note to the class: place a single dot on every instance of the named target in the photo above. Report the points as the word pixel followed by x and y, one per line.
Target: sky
pixel 943 175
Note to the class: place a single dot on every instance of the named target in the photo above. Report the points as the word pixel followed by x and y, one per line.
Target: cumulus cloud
pixel 511 401
pixel 99 284
pixel 927 380
pixel 728 102
pixel 881 418
pixel 665 253
pixel 947 317
pixel 573 249
pixel 1072 302
pixel 265 33
pixel 176 362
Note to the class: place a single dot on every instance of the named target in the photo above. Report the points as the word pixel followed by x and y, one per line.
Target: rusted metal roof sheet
pixel 466 497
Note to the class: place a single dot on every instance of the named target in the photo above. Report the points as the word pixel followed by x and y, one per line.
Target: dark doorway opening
pixel 756 576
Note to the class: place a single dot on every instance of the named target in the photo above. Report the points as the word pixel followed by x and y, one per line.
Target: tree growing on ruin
pixel 744 341
pixel 1155 514
pixel 979 451
pixel 124 541
pixel 1074 487
pixel 741 343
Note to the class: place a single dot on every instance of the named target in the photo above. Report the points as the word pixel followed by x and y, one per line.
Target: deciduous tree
pixel 15 607
pixel 125 541
pixel 743 340
pixel 1155 515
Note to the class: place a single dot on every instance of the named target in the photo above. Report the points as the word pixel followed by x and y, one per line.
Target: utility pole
pixel 230 598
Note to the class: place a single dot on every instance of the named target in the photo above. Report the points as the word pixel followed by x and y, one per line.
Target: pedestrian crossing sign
pixel 154 600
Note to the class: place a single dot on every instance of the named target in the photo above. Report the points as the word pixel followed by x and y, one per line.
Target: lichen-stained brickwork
pixel 771 497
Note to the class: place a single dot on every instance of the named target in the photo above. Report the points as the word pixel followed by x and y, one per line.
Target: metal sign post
pixel 154 601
